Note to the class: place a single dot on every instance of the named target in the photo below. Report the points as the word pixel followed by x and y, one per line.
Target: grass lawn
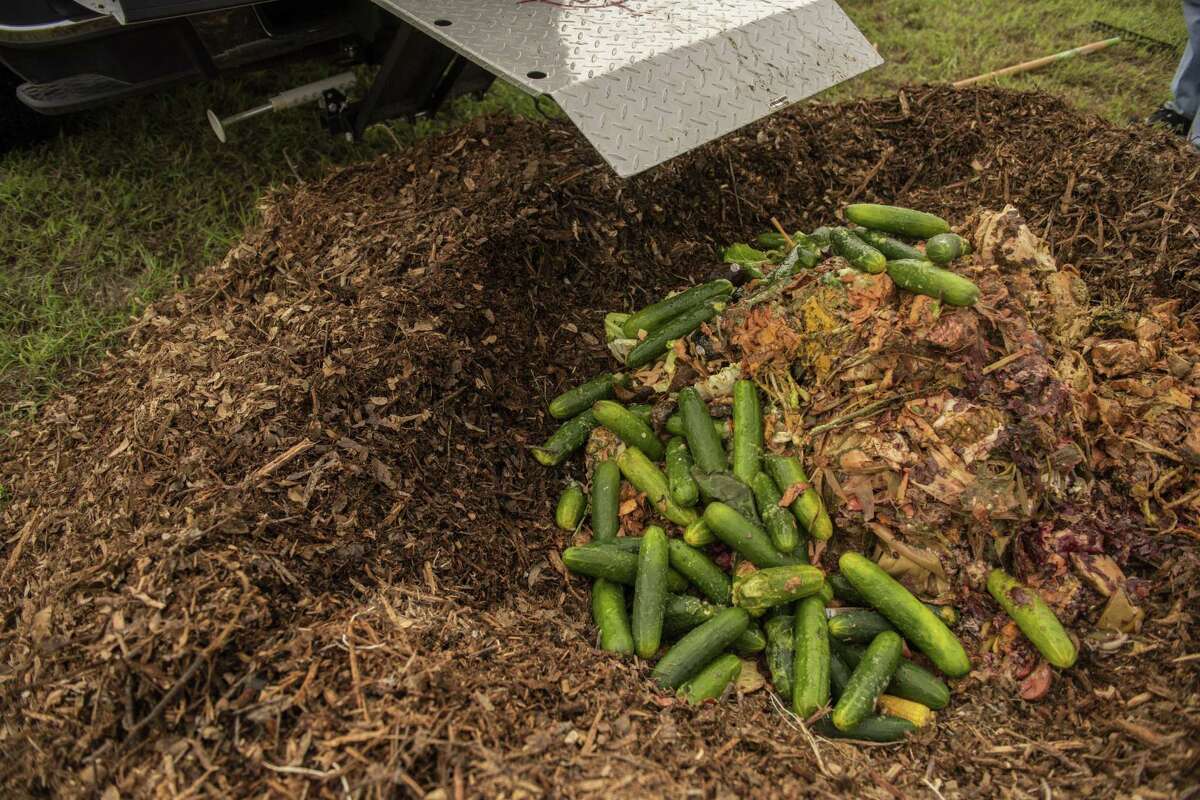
pixel 96 224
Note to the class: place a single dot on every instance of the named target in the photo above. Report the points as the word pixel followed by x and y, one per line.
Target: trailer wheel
pixel 20 126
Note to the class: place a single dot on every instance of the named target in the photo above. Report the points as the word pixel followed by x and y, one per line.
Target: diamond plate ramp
pixel 646 80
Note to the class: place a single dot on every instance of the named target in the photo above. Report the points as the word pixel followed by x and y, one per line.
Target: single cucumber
pixel 839 673
pixel 945 247
pixel 655 316
pixel 922 277
pixel 641 472
pixel 896 219
pixel 843 590
pixel 739 533
pixel 628 428
pixel 923 629
pixel 566 440
pixel 780 653
pixel 606 501
pixel 780 524
pixel 875 728
pixel 698 534
pixel 747 431
pixel 873 673
pixel 826 591
pixel 581 398
pixel 650 592
pixel 858 625
pixel 608 612
pixel 810 668
pixel 712 681
pixel 1035 619
pixel 704 444
pixel 569 512
pixel 655 345
pixel 674 426
pixel 912 682
pixel 775 586
pixel 698 568
pixel 891 248
pixel 682 486
pixel 700 646
pixel 808 508
pixel 612 563
pixel 771 240
pixel 820 236
pixel 893 706
pixel 860 254
pixel 685 612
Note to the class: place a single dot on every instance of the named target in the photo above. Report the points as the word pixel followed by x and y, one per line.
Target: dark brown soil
pixel 288 541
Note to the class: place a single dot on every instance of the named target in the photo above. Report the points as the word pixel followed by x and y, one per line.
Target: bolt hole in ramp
pixel 646 80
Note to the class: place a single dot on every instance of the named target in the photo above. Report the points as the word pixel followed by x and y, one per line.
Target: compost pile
pixel 291 538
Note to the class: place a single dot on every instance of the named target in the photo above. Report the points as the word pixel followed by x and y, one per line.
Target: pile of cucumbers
pixel 723 574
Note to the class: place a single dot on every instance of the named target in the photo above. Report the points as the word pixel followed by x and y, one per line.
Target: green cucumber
pixel 569 512
pixel 874 728
pixel 820 237
pixel 858 253
pixel 922 277
pixel 945 247
pixel 700 570
pixel 726 488
pixel 892 249
pixel 653 317
pixel 912 682
pixel 570 436
pixel 843 590
pixel 779 522
pixel 641 411
pixel 608 612
pixel 682 486
pixel 780 652
pixel 606 501
pixel 698 534
pixel 747 431
pixel 810 668
pixel 923 629
pixel 684 612
pixel 655 345
pixel 826 591
pixel 712 681
pixel 839 673
pixel 674 426
pixel 581 398
pixel 739 533
pixel 626 544
pixel 704 444
pixel 867 682
pixel 808 508
pixel 628 428
pixel 774 586
pixel 641 472
pixel 699 647
pixel 896 219
pixel 858 625
pixel 605 560
pixel 650 592
pixel 1035 619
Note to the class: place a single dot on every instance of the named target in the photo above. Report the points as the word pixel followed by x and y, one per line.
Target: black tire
pixel 20 126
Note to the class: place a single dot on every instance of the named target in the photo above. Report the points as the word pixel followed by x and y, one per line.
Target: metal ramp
pixel 646 80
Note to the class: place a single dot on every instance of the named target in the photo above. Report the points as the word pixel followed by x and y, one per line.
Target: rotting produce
pixel 741 501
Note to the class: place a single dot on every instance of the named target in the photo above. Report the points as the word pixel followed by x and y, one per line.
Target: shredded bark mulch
pixel 289 541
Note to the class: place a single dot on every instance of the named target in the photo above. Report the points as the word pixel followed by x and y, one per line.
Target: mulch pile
pixel 289 538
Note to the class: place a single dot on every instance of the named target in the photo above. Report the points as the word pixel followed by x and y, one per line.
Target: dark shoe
pixel 1170 118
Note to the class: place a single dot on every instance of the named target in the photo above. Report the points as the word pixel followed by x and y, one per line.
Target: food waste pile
pixel 294 535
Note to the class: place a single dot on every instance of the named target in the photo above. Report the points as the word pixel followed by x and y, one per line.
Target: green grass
pixel 95 225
